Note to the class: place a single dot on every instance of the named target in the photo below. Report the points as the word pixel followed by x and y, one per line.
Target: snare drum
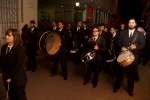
pixel 89 56
pixel 125 58
pixel 49 42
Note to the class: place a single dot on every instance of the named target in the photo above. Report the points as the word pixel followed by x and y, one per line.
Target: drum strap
pixel 134 38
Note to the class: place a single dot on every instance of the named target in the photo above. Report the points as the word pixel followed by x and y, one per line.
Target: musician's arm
pixel 141 42
pixel 102 45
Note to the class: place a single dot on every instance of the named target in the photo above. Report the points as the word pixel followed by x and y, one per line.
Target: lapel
pixel 60 32
pixel 10 52
pixel 4 52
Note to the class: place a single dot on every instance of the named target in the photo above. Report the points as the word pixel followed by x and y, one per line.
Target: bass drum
pixel 49 42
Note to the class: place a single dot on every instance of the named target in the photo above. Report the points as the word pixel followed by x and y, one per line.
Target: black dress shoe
pixel 130 93
pixel 53 74
pixel 115 89
pixel 65 77
pixel 85 82
pixel 94 85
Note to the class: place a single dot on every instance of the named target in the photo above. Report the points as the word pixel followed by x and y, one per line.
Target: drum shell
pixel 89 56
pixel 49 42
pixel 128 61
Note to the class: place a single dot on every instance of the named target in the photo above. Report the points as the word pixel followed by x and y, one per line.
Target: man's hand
pixel 110 53
pixel 96 47
pixel 133 46
pixel 59 44
pixel 8 80
pixel 81 45
pixel 124 49
pixel 73 43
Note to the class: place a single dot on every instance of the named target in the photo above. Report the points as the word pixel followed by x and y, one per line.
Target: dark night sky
pixel 130 8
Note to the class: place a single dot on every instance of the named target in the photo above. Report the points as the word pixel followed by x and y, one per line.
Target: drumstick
pixel 129 48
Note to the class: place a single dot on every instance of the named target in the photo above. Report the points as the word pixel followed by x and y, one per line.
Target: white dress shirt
pixel 131 31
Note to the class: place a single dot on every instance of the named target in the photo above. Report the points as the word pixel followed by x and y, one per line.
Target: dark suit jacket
pixel 79 36
pixel 32 38
pixel 52 30
pixel 11 65
pixel 146 49
pixel 65 40
pixel 115 44
pixel 101 45
pixel 125 41
pixel 105 35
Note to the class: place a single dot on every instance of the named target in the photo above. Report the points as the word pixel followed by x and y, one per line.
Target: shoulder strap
pixel 135 38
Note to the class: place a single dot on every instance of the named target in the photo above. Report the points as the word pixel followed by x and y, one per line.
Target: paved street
pixel 42 87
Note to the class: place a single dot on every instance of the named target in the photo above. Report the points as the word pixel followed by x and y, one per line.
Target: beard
pixel 131 27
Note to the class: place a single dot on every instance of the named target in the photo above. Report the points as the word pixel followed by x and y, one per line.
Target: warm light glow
pixel 77 4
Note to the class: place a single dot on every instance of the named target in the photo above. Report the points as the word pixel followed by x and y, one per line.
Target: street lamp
pixel 77 3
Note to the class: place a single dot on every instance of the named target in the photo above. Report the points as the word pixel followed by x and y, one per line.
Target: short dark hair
pixel 79 21
pixel 133 19
pixel 61 22
pixel 114 28
pixel 101 24
pixel 32 21
pixel 84 22
pixel 54 21
pixel 16 35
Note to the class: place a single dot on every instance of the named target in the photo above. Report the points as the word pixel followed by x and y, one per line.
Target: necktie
pixel 113 36
pixel 94 39
pixel 78 29
pixel 130 34
pixel 8 49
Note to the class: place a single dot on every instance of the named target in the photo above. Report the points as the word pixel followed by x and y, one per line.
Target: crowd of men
pixel 116 40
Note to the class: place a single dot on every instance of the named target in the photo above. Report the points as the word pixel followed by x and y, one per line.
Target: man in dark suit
pixel 62 53
pixel 32 39
pixel 145 51
pixel 87 32
pixel 70 46
pixel 121 28
pixel 134 40
pixel 79 38
pixel 113 51
pixel 105 35
pixel 54 27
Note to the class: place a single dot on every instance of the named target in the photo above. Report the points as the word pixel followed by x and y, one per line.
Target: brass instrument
pixel 112 51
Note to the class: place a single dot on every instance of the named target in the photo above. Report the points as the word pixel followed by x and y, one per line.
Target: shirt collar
pixel 60 29
pixel 114 35
pixel 32 28
pixel 131 31
pixel 10 46
pixel 95 38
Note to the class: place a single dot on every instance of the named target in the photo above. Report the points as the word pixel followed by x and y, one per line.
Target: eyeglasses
pixel 95 31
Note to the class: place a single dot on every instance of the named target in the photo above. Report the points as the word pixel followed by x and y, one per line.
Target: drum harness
pixel 112 50
pixel 93 50
pixel 129 48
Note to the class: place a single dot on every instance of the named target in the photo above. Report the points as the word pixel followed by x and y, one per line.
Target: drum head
pixel 52 43
pixel 42 41
pixel 123 56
